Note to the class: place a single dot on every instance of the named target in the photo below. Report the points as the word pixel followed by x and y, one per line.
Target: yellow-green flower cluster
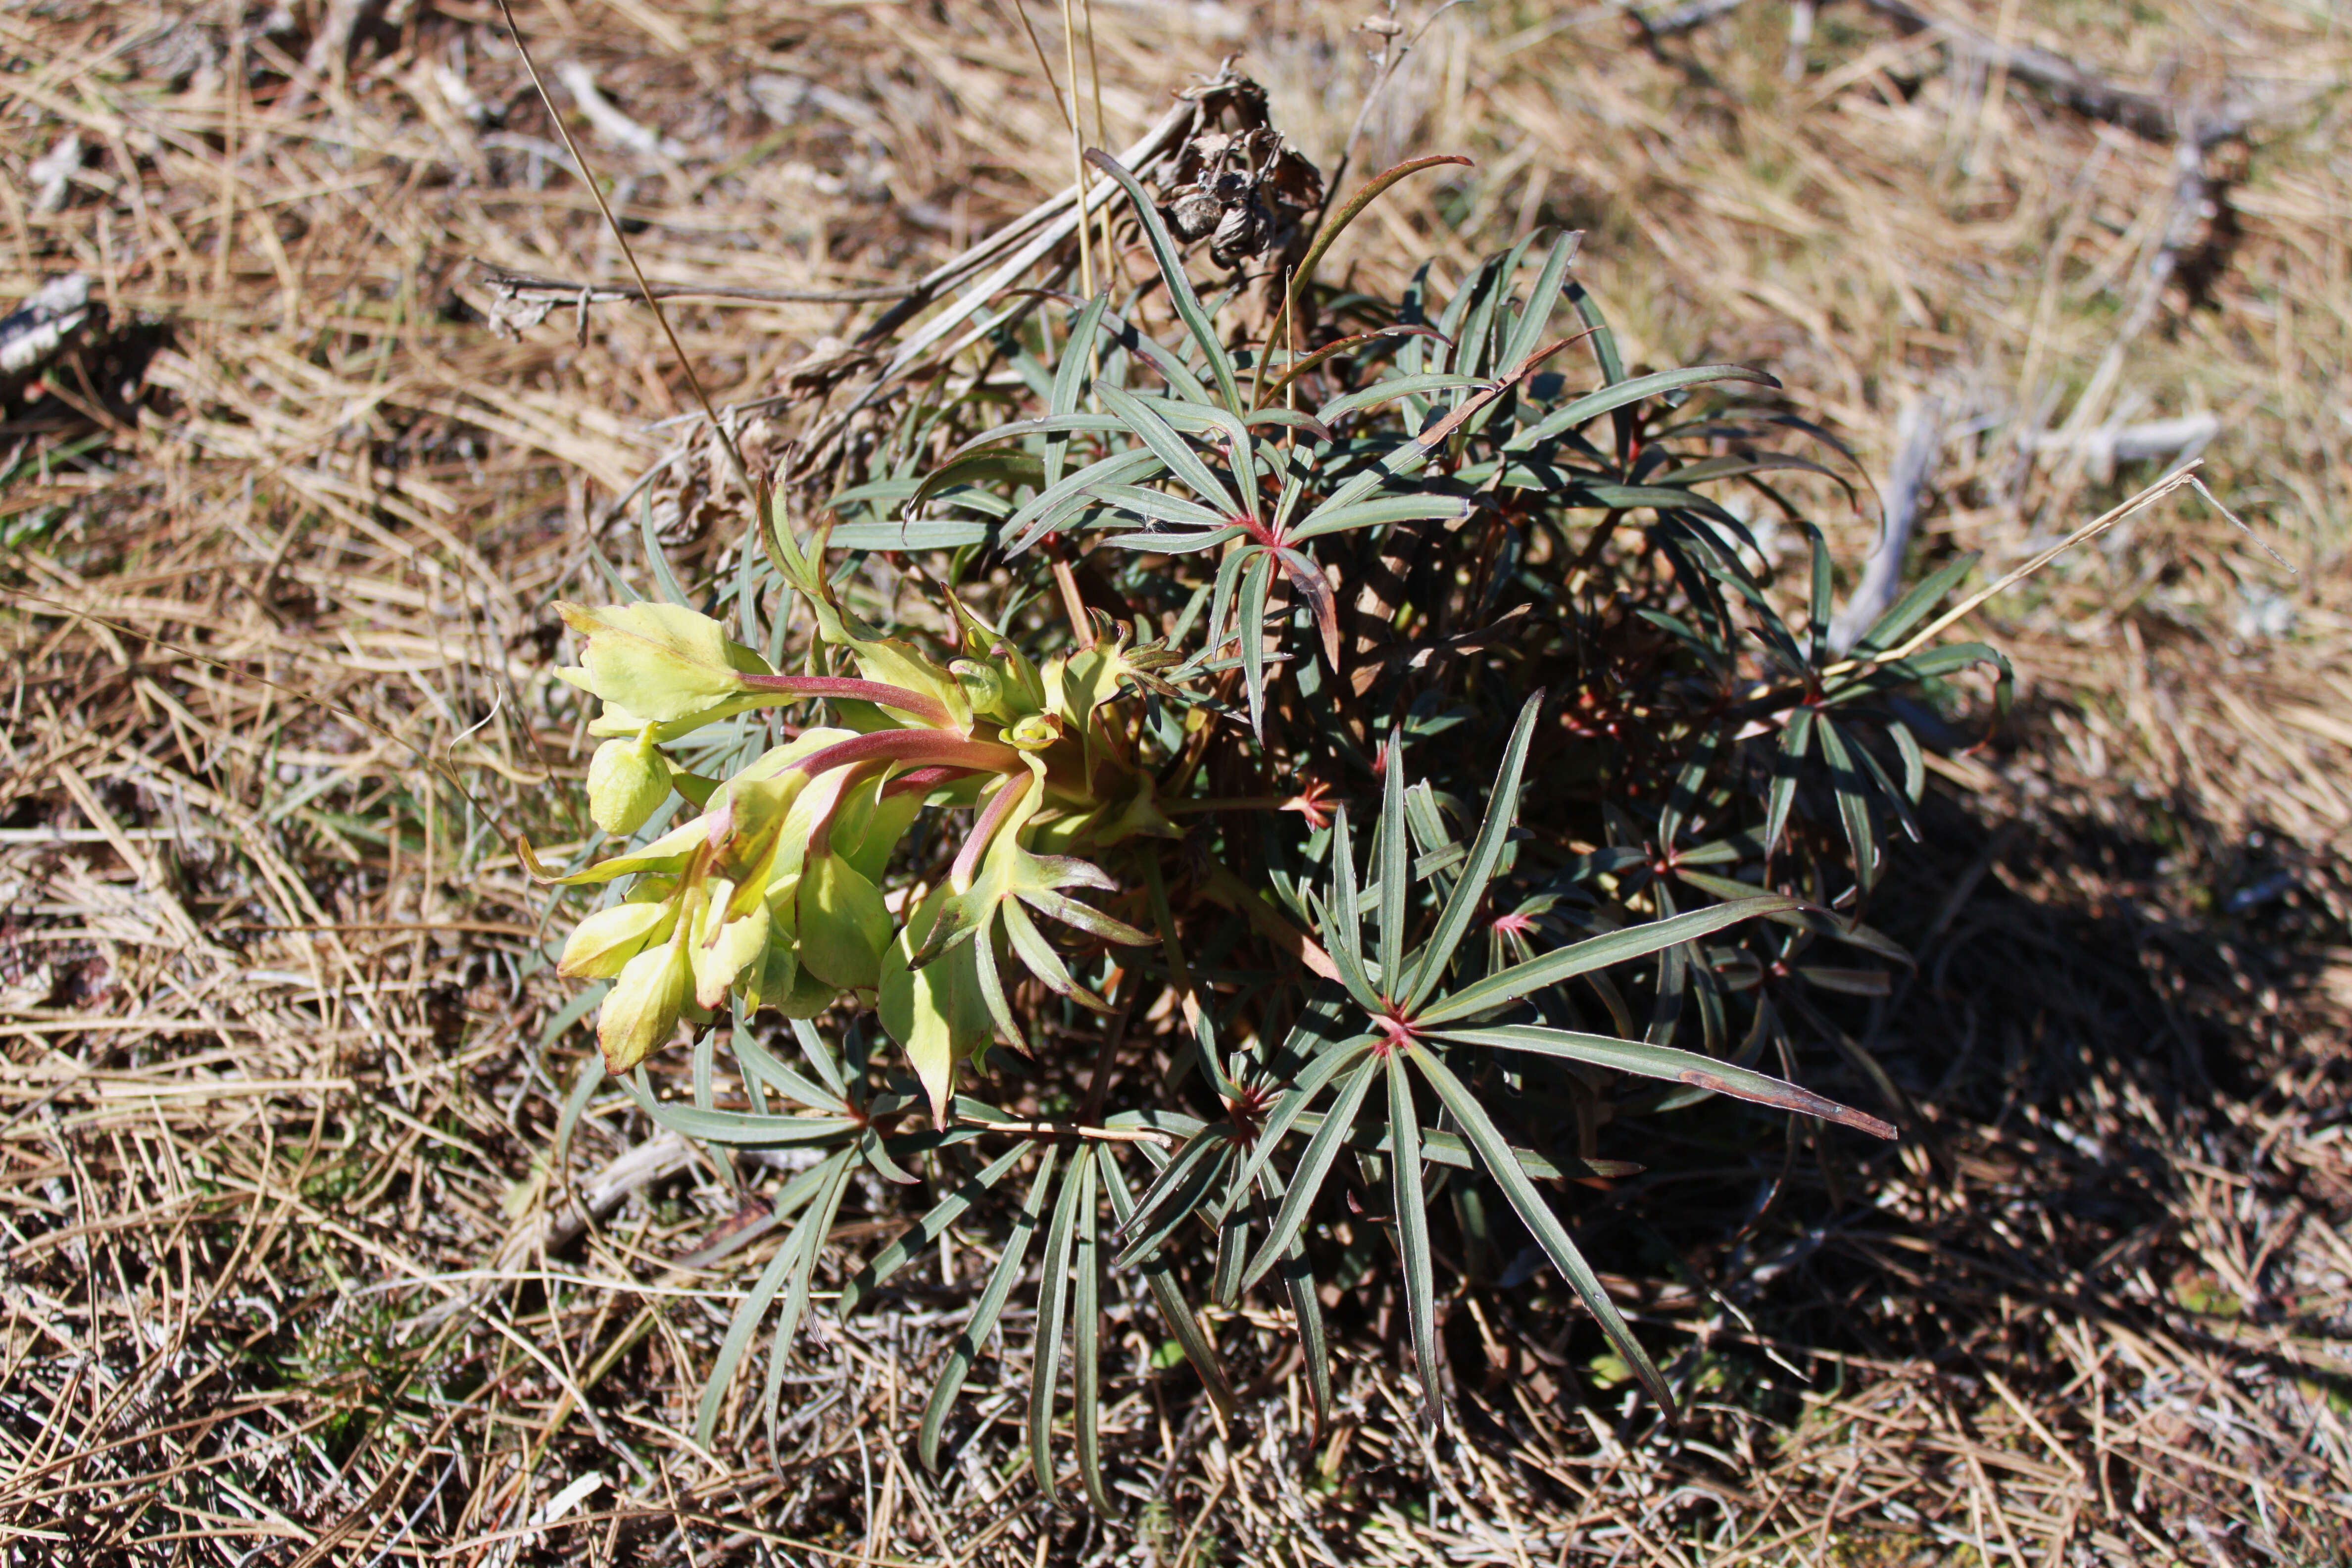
pixel 773 891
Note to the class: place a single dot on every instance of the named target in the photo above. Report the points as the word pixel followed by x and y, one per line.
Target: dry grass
pixel 287 1278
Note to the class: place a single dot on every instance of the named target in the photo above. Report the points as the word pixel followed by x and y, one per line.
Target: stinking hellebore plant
pixel 1205 612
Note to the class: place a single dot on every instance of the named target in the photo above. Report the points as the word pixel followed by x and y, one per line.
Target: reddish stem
pixel 991 818
pixel 921 780
pixel 914 704
pixel 924 746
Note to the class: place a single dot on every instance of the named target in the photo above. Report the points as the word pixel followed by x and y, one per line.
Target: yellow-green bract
pixel 775 892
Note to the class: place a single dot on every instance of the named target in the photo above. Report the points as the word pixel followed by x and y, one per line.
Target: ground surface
pixel 287 1278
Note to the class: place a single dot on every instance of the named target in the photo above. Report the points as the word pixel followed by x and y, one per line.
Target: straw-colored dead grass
pixel 287 1278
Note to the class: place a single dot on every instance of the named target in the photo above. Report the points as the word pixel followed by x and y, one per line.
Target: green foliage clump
pixel 1446 778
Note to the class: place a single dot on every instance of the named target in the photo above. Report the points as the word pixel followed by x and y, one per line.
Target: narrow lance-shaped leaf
pixel 1388 389
pixel 1173 1309
pixel 1221 602
pixel 1853 805
pixel 992 991
pixel 1470 890
pixel 1447 1149
pixel 1413 1230
pixel 1895 797
pixel 1595 953
pixel 1711 469
pixel 1915 763
pixel 1796 738
pixel 760 1064
pixel 1625 393
pixel 1232 1251
pixel 1804 917
pixel 1298 1280
pixel 1053 1309
pixel 1340 931
pixel 1062 424
pixel 1180 286
pixel 1932 662
pixel 810 1237
pixel 924 1234
pixel 1684 798
pixel 1069 379
pixel 1431 836
pixel 1817 612
pixel 1495 1153
pixel 1169 447
pixel 1073 492
pixel 1396 867
pixel 1294 1103
pixel 657 557
pixel 1476 346
pixel 1604 339
pixel 1158 506
pixel 1239 442
pixel 1086 1334
pixel 1675 1066
pixel 984 1313
pixel 1156 541
pixel 1030 945
pixel 820 1058
pixel 933 531
pixel 1543 297
pixel 1307 1180
pixel 1255 586
pixel 1411 455
pixel 761 1296
pixel 735 1128
pixel 1457 353
pixel 1912 608
pixel 1177 1194
pixel 1378 512
pixel 1002 467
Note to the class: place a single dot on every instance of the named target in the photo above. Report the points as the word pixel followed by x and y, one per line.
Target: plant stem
pixel 929 746
pixel 1074 1130
pixel 991 818
pixel 1225 803
pixel 914 704
pixel 1114 1035
pixel 923 779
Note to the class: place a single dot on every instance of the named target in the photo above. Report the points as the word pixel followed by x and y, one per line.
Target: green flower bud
pixel 606 941
pixel 643 1007
pixel 722 947
pixel 627 781
pixel 988 688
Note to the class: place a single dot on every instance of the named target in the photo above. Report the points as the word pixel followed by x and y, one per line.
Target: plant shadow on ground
pixel 2088 1222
